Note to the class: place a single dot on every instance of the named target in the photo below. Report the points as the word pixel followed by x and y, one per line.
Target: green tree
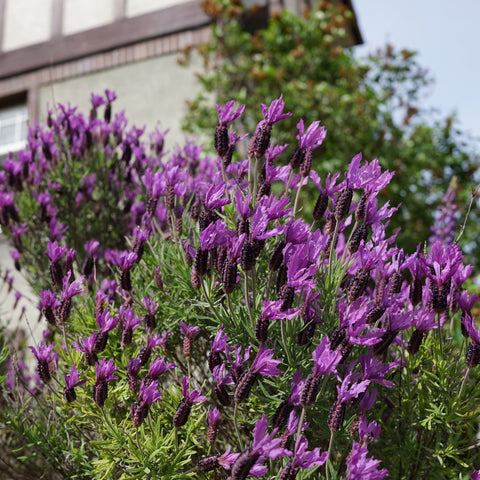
pixel 371 105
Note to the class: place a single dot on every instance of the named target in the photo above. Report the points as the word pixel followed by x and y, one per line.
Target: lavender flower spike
pixel 189 398
pixel 46 359
pixel 359 467
pixel 148 395
pixel 313 137
pixel 263 445
pixel 72 380
pixel 274 113
pixel 227 114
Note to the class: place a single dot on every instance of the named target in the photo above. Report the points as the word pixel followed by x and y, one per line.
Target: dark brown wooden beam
pixel 122 32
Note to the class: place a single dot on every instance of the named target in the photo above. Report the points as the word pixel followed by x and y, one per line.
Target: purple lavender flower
pixel 129 323
pixel 55 252
pixel 106 323
pixel 215 197
pixel 239 360
pixel 302 459
pixel 189 398
pixel 218 345
pixel 133 368
pixel 274 113
pixel 222 379
pixel 148 395
pixel 49 305
pixel 263 365
pixel 214 420
pixel 69 290
pixel 446 217
pixel 153 341
pixel 151 307
pixel 158 367
pixel 189 332
pixel 86 346
pixel 325 362
pixel 104 370
pixel 359 467
pixel 264 445
pixel 46 359
pixel 72 381
pixel 227 114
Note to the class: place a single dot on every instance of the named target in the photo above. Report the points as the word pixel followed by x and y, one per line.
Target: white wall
pixel 26 22
pixel 151 91
pixel 81 15
pixel 139 7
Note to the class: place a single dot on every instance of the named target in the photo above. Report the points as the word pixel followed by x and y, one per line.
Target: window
pixel 13 128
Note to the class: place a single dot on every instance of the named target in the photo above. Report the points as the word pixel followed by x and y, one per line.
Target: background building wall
pixel 152 92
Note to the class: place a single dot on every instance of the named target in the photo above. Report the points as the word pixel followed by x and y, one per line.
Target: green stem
pixel 232 313
pixel 462 229
pixel 297 197
pixel 247 300
pixel 284 341
pixel 330 446
pixel 463 383
pixel 269 283
pixel 287 186
pixel 212 307
pixel 332 247
pixel 240 443
pixel 440 341
pixel 254 289
pixel 300 422
pixel 255 181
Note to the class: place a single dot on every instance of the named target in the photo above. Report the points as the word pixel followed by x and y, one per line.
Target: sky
pixel 446 34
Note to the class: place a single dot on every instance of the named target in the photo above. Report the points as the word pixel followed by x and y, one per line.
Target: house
pixel 62 50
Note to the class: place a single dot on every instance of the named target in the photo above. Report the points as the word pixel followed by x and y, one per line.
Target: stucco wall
pixel 152 92
pixel 26 22
pixel 81 15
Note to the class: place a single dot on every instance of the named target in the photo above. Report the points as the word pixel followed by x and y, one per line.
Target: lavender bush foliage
pixel 200 327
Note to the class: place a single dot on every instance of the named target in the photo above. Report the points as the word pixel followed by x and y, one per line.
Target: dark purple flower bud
pixel 472 356
pixel 243 464
pixel 415 341
pixel 189 332
pixel 276 259
pixel 207 464
pixel 342 207
pixel 358 284
pixel 336 416
pixel 320 206
pixel 229 276
pixel 72 381
pixel 46 360
pixel 214 421
pixel 360 210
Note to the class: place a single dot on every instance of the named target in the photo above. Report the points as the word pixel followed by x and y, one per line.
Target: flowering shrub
pixel 227 333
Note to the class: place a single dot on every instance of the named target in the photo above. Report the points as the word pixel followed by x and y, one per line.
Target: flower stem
pixel 255 181
pixel 330 446
pixel 462 229
pixel 297 197
pixel 463 383
pixel 232 313
pixel 247 300
pixel 284 341
pixel 240 444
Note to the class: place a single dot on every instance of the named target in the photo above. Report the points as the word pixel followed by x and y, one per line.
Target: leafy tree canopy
pixel 372 105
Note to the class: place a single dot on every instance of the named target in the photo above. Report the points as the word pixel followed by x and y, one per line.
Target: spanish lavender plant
pixel 322 330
